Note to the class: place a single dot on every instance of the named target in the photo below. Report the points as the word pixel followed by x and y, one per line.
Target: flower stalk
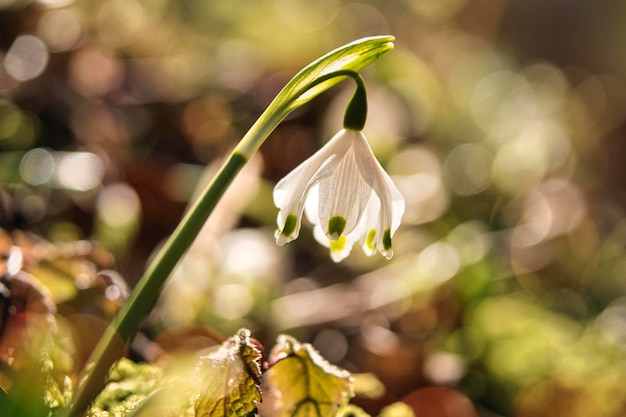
pixel 315 78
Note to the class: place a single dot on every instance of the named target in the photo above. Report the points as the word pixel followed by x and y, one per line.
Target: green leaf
pixel 300 383
pixel 230 378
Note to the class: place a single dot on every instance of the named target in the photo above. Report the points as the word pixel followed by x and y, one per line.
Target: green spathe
pixel 303 87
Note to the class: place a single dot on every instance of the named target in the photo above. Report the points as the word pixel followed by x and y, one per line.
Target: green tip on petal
pixel 290 225
pixel 336 226
pixel 387 239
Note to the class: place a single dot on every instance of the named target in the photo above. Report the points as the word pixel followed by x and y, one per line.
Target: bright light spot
pixel 378 339
pixel 471 241
pixel 417 174
pixel 553 208
pixel 119 21
pixel 550 142
pixel 118 206
pixel 424 196
pixel 233 301
pixel 438 262
pixel 238 64
pixel 332 344
pixel 56 3
pixel 113 293
pixel 538 222
pixel 391 294
pixel 519 165
pixel 94 73
pixel 503 104
pixel 444 368
pixel 437 9
pixel 26 58
pixel 612 321
pixel 549 84
pixel 468 169
pixel 249 253
pixel 14 261
pixel 314 306
pixel 37 166
pixel 526 252
pixel 80 171
pixel 307 16
pixel 60 29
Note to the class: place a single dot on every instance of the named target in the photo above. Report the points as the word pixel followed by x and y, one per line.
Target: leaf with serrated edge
pixel 230 378
pixel 301 383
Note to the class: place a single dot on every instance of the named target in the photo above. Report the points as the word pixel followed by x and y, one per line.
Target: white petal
pixel 369 226
pixel 290 192
pixel 344 193
pixel 344 184
pixel 391 200
pixel 311 205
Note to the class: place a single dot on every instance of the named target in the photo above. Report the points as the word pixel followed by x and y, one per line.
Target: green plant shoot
pixel 311 81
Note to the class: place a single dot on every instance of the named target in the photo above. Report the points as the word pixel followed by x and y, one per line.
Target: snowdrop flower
pixel 346 195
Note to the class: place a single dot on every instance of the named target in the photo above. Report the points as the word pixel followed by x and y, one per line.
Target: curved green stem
pixel 315 78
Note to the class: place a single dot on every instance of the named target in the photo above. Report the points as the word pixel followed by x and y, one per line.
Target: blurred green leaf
pixel 368 385
pixel 129 385
pixel 231 376
pixel 304 382
pixel 397 409
pixel 351 410
pixel 33 393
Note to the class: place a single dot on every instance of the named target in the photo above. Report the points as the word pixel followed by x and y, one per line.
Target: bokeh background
pixel 501 121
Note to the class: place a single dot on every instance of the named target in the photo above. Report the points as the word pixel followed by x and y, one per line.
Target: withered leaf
pixel 301 383
pixel 229 379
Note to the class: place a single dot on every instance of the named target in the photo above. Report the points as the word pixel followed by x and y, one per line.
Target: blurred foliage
pixel 502 122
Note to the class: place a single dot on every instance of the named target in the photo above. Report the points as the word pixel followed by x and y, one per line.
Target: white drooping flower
pixel 346 195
